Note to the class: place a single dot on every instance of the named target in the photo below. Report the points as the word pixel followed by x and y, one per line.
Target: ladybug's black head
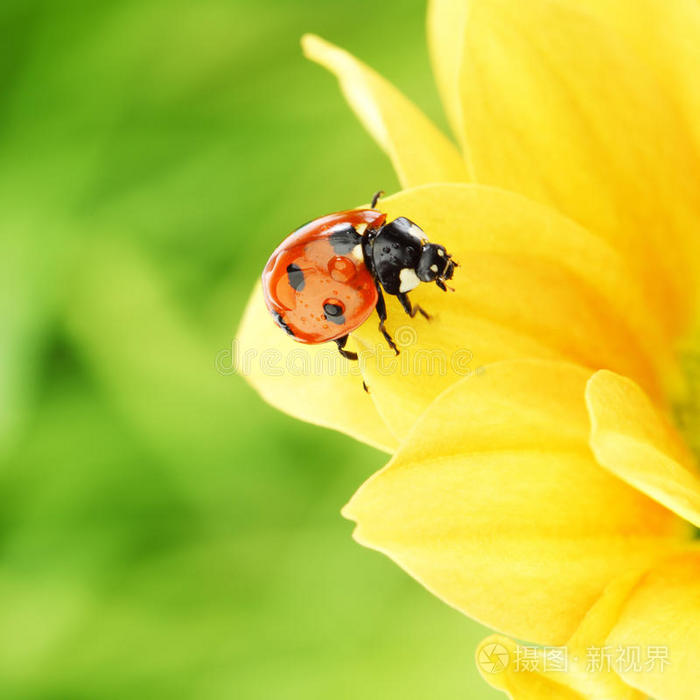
pixel 435 264
pixel 401 257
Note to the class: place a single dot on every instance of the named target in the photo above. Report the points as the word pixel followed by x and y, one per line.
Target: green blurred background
pixel 163 532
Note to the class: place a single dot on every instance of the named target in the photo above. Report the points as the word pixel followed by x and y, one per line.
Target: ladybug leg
pixel 375 198
pixel 410 309
pixel 340 342
pixel 381 312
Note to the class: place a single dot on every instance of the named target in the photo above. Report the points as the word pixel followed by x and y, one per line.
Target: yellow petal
pixel 447 21
pixel 600 618
pixel 556 106
pixel 576 668
pixel 419 151
pixel 631 439
pixel 311 382
pixel 498 661
pixel 662 617
pixel 616 635
pixel 595 675
pixel 495 503
pixel 666 35
pixel 531 283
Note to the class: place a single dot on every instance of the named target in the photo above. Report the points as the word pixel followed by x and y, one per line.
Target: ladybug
pixel 327 277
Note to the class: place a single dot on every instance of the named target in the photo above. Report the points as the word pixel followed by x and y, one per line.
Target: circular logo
pixel 493 658
pixel 405 336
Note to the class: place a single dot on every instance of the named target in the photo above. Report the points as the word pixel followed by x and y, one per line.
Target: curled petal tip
pixel 324 53
pixel 312 43
pixel 419 152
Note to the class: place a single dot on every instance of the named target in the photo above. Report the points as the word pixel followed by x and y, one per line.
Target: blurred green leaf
pixel 163 532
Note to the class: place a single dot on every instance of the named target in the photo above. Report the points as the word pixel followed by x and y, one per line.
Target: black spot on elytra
pixel 334 313
pixel 332 309
pixel 296 277
pixel 344 238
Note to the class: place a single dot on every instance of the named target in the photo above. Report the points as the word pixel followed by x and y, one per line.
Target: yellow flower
pixel 538 483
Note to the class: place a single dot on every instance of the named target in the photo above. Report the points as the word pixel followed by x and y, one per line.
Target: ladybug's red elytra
pixel 327 277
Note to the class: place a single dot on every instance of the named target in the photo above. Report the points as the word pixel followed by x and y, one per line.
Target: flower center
pixel 687 409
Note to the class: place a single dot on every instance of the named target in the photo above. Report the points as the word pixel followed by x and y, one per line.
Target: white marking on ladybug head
pixel 409 279
pixel 441 252
pixel 434 267
pixel 356 253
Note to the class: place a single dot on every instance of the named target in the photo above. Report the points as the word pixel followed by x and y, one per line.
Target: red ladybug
pixel 327 277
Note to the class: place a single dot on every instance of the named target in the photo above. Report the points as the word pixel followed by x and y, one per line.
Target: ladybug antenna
pixel 375 198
